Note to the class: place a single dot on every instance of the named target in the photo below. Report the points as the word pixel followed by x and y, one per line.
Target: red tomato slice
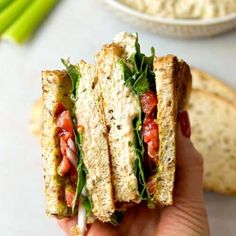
pixel 151 185
pixel 151 136
pixel 148 101
pixel 64 166
pixel 60 108
pixel 153 149
pixel 69 197
pixel 64 122
pixel 150 132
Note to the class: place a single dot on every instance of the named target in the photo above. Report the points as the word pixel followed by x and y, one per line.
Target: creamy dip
pixel 185 9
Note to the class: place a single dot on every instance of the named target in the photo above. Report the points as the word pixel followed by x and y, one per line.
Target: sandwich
pixel 109 131
pixel 75 153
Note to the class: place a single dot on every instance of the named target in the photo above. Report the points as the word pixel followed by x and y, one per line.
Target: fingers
pixel 189 170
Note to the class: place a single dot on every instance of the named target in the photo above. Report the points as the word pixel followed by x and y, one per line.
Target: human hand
pixel 186 217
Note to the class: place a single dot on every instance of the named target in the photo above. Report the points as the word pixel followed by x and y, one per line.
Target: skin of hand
pixel 186 217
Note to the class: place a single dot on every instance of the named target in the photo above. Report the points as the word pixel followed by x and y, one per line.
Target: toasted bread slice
pixel 120 107
pixel 207 82
pixel 173 86
pixel 56 88
pixel 95 154
pixel 213 133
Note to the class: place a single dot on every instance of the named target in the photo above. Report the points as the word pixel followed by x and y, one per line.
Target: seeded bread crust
pixel 173 85
pixel 56 88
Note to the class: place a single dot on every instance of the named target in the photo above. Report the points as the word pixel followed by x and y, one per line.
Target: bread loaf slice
pixel 56 88
pixel 120 107
pixel 214 135
pixel 95 153
pixel 173 86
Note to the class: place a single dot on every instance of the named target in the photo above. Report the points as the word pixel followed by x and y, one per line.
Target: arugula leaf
pixel 117 217
pixel 139 150
pixel 139 76
pixel 74 75
pixel 87 204
pixel 81 179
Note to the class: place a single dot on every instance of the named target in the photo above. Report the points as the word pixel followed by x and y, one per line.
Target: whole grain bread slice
pixel 120 107
pixel 173 86
pixel 95 152
pixel 214 135
pixel 56 88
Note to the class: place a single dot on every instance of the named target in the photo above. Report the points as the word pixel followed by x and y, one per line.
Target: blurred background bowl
pixel 179 28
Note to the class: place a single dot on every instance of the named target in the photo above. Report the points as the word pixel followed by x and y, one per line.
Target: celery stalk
pixel 23 28
pixel 4 3
pixel 10 14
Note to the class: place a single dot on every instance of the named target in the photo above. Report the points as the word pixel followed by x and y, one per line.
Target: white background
pixel 78 29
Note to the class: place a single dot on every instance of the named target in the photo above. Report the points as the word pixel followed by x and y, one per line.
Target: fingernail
pixel 185 124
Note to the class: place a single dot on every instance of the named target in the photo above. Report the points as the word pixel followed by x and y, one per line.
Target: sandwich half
pixel 141 98
pixel 74 144
pixel 109 135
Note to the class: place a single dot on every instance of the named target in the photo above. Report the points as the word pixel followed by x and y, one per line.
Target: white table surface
pixel 78 28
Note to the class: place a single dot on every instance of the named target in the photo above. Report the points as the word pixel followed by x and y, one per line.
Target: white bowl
pixel 180 28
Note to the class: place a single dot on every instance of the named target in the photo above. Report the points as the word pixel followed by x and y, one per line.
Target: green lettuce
pixel 140 78
pixel 74 75
pixel 117 217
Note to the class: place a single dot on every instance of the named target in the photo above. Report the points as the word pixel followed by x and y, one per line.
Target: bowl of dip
pixel 178 18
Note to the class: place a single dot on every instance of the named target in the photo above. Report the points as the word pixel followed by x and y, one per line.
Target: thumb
pixel 189 171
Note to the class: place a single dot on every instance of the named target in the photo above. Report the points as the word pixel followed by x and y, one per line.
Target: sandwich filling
pixel 68 149
pixel 71 165
pixel 139 76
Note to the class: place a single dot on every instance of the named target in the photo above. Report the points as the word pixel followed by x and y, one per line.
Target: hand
pixel 187 216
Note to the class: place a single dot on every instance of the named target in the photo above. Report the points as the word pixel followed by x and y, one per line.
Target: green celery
pixel 28 22
pixel 12 12
pixel 4 3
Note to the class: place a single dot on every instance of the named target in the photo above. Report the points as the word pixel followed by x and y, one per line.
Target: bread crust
pixel 207 82
pixel 56 88
pixel 173 85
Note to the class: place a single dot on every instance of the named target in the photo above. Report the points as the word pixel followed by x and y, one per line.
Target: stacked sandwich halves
pixel 109 131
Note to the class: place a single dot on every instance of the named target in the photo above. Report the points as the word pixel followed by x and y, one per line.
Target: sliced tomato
pixel 150 131
pixel 149 118
pixel 60 108
pixel 69 197
pixel 66 137
pixel 64 122
pixel 151 136
pixel 153 149
pixel 148 101
pixel 64 166
pixel 151 185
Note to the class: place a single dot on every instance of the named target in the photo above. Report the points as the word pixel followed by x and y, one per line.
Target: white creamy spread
pixel 185 9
